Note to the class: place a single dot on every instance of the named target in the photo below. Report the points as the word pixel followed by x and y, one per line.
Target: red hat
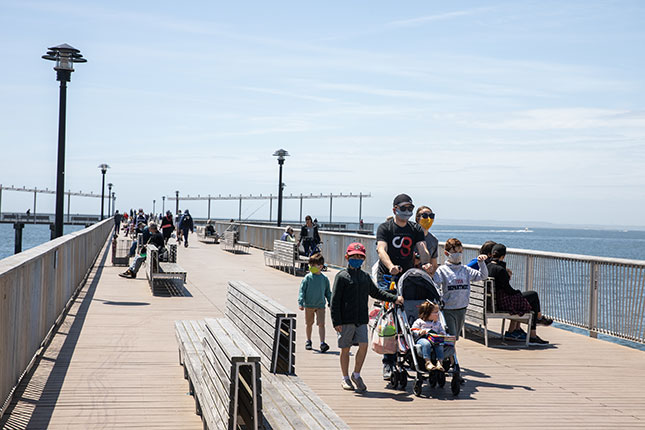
pixel 356 248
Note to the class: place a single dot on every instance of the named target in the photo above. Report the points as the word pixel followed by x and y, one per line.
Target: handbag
pixel 384 334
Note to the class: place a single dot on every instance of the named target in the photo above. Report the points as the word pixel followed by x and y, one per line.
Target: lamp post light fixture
pixel 65 56
pixel 110 208
pixel 176 202
pixel 104 167
pixel 280 153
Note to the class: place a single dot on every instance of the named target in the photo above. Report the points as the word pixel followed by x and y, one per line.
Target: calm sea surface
pixel 603 243
pixel 32 235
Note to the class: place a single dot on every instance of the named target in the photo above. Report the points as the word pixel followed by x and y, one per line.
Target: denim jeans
pixel 427 347
pixel 136 265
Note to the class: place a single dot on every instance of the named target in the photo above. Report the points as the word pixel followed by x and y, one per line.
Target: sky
pixel 492 110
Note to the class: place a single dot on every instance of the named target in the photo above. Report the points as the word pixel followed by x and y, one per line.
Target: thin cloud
pixel 415 22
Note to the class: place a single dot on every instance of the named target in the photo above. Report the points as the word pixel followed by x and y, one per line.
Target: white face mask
pixel 455 257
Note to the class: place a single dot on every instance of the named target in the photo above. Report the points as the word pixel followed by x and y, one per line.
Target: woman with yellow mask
pixel 425 218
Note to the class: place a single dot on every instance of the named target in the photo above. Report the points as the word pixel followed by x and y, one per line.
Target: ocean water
pixel 32 235
pixel 628 244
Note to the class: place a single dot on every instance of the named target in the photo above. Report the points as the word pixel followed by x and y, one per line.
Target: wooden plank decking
pixel 114 364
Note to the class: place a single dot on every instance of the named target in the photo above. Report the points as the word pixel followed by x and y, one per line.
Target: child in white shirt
pixel 427 323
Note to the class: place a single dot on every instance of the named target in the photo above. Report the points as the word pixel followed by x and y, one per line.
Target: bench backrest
pixel 152 258
pixel 231 375
pixel 229 237
pixel 285 251
pixel 269 325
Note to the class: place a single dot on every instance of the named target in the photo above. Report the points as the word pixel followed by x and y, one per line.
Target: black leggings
pixel 534 300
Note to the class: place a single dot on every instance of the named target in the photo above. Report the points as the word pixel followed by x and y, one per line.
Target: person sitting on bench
pixel 155 238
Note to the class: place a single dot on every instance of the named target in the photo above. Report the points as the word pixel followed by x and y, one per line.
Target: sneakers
pixel 537 341
pixel 387 372
pixel 544 321
pixel 429 365
pixel 323 347
pixel 360 385
pixel 438 366
pixel 308 346
pixel 517 335
pixel 347 385
pixel 127 274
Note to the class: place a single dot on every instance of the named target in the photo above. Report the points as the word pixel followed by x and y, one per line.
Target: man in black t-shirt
pixel 396 241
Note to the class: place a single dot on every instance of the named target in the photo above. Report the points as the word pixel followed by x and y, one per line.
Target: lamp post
pixel 154 202
pixel 280 153
pixel 113 201
pixel 163 205
pixel 110 208
pixel 65 56
pixel 103 168
pixel 176 202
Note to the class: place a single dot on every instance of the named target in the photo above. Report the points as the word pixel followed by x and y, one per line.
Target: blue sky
pixel 516 110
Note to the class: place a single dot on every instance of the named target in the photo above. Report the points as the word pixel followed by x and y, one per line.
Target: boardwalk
pixel 113 364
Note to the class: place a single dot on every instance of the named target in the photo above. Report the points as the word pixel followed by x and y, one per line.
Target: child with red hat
pixel 349 313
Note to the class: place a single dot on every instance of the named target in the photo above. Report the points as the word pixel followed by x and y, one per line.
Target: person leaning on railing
pixel 515 301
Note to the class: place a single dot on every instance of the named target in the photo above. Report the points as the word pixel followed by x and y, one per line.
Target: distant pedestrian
pixel 167 226
pixel 287 236
pixel 117 223
pixel 313 295
pixel 186 225
pixel 349 313
pixel 309 237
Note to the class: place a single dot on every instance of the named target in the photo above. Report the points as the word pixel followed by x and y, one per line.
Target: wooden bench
pixel 481 308
pixel 161 274
pixel 267 324
pixel 288 403
pixel 190 334
pixel 231 395
pixel 230 243
pixel 285 256
pixel 204 236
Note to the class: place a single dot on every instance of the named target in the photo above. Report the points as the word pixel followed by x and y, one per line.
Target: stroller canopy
pixel 416 284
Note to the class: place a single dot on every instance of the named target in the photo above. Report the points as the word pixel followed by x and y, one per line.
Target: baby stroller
pixel 416 286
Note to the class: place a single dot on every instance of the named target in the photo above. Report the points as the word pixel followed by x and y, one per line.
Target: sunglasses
pixel 408 208
pixel 427 215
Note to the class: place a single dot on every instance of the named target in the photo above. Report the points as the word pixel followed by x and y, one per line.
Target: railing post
pixel 528 280
pixel 18 226
pixel 593 300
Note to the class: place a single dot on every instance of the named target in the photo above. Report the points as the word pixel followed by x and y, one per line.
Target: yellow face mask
pixel 426 223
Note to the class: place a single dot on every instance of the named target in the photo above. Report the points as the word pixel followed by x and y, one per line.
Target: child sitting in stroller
pixel 424 327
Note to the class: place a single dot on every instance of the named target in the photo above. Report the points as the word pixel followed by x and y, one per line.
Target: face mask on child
pixel 314 269
pixel 355 263
pixel 455 257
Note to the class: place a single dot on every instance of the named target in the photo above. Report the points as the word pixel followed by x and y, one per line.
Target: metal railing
pixel 602 295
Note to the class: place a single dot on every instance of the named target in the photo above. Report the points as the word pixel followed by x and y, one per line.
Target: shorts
pixel 455 319
pixel 319 313
pixel 351 334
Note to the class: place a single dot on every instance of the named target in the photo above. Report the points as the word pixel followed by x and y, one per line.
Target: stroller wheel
pixel 418 387
pixel 455 384
pixel 432 380
pixel 394 379
pixel 441 379
pixel 403 380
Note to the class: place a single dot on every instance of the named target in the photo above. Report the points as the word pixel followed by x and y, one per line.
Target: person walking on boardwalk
pixel 514 301
pixel 167 226
pixel 150 235
pixel 186 225
pixel 117 223
pixel 349 313
pixel 396 240
pixel 309 236
pixel 314 292
pixel 425 218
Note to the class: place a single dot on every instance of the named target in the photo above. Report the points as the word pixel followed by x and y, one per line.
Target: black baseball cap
pixel 402 199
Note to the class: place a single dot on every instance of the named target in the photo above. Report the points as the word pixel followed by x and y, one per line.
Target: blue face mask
pixel 355 263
